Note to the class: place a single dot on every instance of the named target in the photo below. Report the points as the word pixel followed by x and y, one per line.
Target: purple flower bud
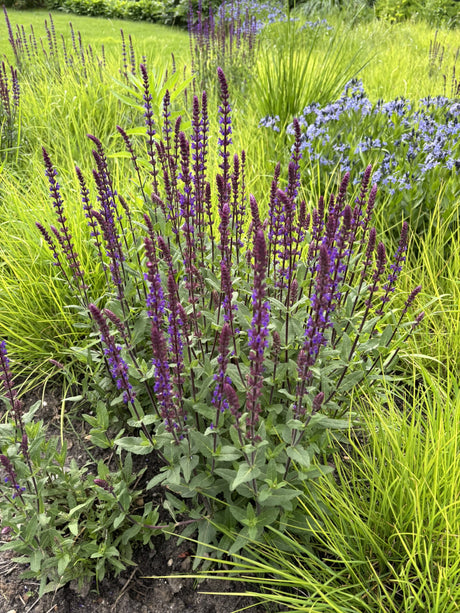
pixel 104 485
pixel 118 367
pixel 258 333
pixel 317 402
pixel 233 402
pixel 414 293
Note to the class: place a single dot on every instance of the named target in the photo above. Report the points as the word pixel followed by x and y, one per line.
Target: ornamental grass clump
pixel 231 332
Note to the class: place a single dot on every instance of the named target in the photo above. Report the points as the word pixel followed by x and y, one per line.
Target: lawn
pixel 283 340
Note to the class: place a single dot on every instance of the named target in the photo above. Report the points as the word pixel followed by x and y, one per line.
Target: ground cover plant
pixel 220 314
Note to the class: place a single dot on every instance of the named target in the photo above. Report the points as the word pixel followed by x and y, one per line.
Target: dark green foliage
pixel 25 4
pixel 168 12
pixel 435 11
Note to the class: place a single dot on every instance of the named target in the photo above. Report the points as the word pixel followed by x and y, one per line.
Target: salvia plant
pixel 9 109
pixel 59 56
pixel 226 39
pixel 229 339
pixel 414 150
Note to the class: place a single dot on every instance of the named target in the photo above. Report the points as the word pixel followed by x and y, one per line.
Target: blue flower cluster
pixel 405 142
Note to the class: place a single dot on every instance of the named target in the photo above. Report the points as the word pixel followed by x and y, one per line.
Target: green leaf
pixel 206 536
pixel 270 497
pixel 156 480
pixel 314 472
pixel 36 558
pixel 245 473
pixel 234 375
pixel 279 305
pixel 300 455
pixel 228 453
pixel 63 562
pixel 329 423
pixel 130 533
pixel 351 380
pixel 386 335
pixel 73 527
pixel 118 520
pixel 203 443
pixel 146 420
pixel 345 347
pixel 100 440
pixel 81 506
pixel 187 465
pixel 135 445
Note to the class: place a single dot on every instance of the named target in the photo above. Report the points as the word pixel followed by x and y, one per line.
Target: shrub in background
pixel 168 12
pixel 435 11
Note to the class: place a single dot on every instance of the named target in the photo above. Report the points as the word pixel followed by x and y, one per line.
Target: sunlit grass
pixel 381 534
pixel 151 40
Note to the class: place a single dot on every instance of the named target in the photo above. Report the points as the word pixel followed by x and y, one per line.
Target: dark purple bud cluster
pixel 62 233
pixel 104 485
pixel 117 365
pixel 11 476
pixel 257 334
pixel 6 379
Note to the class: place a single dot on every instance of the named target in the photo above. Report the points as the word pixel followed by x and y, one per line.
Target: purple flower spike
pixel 225 140
pixel 163 387
pixel 396 267
pixel 6 379
pixel 221 378
pixel 256 224
pixel 369 251
pixel 112 351
pixel 155 298
pixel 233 401
pixel 65 237
pixel 258 334
pixel 150 125
pixel 11 476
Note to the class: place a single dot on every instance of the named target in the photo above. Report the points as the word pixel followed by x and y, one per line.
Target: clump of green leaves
pixel 55 516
